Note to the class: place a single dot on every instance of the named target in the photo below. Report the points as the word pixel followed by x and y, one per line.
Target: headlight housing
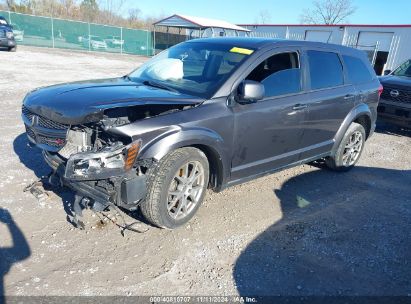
pixel 9 35
pixel 109 162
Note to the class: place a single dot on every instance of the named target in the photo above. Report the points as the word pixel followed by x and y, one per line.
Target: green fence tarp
pixel 69 34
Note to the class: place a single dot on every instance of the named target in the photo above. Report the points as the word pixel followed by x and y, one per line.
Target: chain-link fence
pixel 69 34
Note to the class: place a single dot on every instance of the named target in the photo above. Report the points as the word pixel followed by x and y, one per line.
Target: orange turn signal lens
pixel 131 154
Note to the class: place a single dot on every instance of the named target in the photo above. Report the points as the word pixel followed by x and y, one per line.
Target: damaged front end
pixel 91 160
pixel 101 169
pixel 106 176
pixel 77 127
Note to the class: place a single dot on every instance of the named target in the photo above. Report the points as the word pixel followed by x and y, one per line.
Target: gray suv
pixel 207 113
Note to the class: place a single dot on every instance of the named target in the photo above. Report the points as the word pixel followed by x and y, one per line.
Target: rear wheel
pixel 177 188
pixel 349 150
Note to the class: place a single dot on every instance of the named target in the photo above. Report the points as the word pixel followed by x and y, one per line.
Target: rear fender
pixel 359 110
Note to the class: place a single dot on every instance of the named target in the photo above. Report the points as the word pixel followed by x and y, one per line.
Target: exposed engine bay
pixel 94 137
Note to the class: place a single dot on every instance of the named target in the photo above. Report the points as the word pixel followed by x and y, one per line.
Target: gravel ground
pixel 302 231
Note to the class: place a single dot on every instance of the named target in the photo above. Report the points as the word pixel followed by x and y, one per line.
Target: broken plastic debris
pixel 37 189
pixel 302 202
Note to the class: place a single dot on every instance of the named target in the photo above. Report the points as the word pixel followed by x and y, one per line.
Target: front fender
pixel 359 110
pixel 179 137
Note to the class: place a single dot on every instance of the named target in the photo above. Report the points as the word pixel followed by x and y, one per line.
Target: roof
pixel 259 43
pixel 331 25
pixel 190 22
pixel 243 42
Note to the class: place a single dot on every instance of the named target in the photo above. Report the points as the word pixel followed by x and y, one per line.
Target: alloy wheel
pixel 185 190
pixel 352 149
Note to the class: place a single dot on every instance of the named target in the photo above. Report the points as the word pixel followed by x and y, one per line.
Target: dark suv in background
pixel 204 113
pixel 6 35
pixel 395 104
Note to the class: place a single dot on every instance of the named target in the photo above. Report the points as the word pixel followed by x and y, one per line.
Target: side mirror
pixel 387 72
pixel 250 91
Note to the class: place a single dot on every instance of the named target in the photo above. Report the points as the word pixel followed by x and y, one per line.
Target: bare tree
pixel 134 14
pixel 11 5
pixel 328 12
pixel 23 6
pixel 89 10
pixel 99 11
pixel 112 9
pixel 134 18
pixel 263 17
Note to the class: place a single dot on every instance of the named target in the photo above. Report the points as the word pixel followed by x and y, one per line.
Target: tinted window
pixel 280 74
pixel 357 70
pixel 325 69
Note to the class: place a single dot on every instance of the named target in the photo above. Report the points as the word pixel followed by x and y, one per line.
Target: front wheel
pixel 176 188
pixel 349 150
pixel 12 49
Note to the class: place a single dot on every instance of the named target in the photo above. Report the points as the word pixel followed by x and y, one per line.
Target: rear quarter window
pixel 326 70
pixel 357 70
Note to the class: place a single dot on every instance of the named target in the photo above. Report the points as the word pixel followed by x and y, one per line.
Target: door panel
pixel 330 100
pixel 327 109
pixel 267 134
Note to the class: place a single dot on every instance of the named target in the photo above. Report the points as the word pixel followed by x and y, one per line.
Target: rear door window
pixel 357 70
pixel 326 70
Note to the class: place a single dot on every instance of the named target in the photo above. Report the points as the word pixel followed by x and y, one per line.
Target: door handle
pixel 299 106
pixel 349 96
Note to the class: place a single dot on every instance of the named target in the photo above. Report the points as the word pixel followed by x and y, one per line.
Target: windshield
pixel 404 69
pixel 194 68
pixel 3 22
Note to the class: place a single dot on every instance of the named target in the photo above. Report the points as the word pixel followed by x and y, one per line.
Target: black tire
pixel 338 161
pixel 155 207
pixel 12 49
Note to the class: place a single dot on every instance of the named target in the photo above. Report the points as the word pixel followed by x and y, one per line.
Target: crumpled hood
pixel 85 101
pixel 396 81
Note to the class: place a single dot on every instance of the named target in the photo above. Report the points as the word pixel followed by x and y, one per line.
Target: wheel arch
pixel 216 165
pixel 360 114
pixel 207 141
pixel 364 120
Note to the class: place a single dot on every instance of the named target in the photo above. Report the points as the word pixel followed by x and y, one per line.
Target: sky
pixel 281 11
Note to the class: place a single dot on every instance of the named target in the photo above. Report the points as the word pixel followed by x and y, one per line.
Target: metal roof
pixel 183 21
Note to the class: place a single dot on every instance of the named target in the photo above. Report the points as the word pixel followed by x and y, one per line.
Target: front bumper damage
pixel 126 190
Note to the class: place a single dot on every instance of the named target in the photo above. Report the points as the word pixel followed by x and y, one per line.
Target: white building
pixel 387 46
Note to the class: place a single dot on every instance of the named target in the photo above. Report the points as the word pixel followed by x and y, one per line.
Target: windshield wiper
pixel 158 85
